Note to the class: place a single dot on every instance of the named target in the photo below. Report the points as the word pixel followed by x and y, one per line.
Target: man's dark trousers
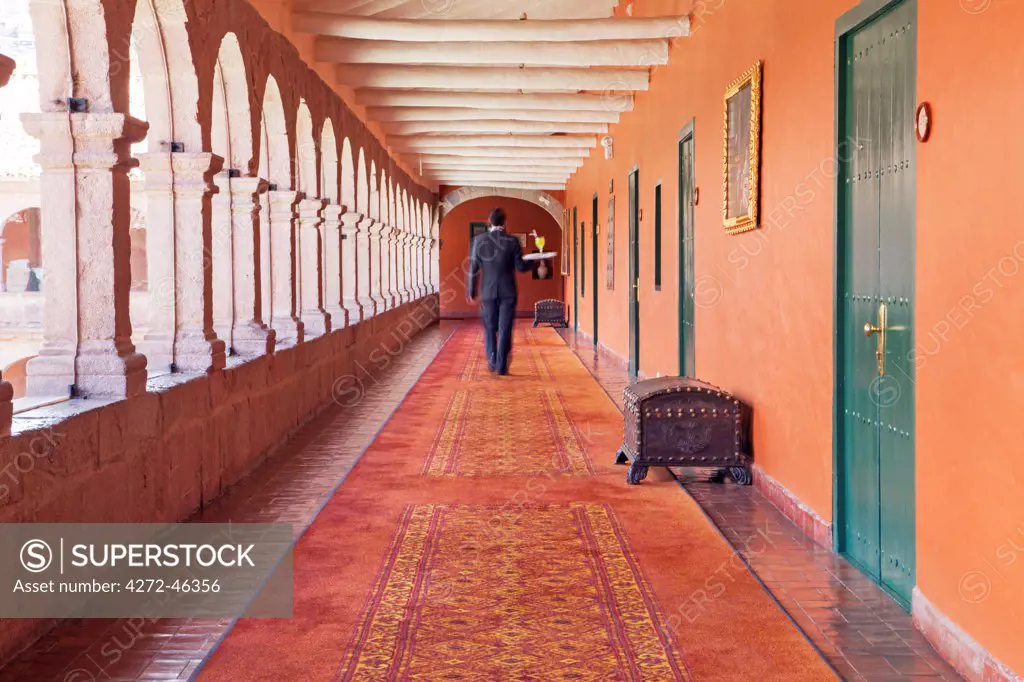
pixel 498 314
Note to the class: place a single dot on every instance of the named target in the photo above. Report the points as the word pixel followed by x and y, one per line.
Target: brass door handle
pixel 870 329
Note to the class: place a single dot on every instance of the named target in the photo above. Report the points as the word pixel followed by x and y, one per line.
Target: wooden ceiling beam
pixel 644 53
pixel 493 100
pixel 434 30
pixel 413 77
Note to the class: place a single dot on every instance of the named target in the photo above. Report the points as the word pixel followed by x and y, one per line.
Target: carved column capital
pixel 310 211
pixel 352 223
pixel 332 215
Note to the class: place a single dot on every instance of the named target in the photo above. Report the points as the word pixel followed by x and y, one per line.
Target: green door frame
pixel 633 190
pixel 593 248
pixel 575 274
pixel 686 261
pixel 847 24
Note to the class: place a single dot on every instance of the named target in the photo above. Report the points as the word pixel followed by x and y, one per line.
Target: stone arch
pixel 348 176
pixel 103 83
pixel 305 152
pixel 329 163
pixel 362 185
pixel 274 163
pixel 21 243
pixel 464 194
pixel 231 129
pixel 160 41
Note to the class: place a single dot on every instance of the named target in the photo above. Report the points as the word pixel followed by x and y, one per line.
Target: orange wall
pixel 764 316
pixel 523 217
pixel 970 298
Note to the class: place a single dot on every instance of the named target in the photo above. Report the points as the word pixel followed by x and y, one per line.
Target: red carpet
pixel 486 535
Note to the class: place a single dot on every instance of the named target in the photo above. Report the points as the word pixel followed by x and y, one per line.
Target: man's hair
pixel 497 218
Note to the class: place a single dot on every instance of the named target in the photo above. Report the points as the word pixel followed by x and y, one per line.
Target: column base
pixel 369 307
pixel 252 340
pixel 381 303
pixel 353 310
pixel 289 331
pixel 316 323
pixel 197 353
pixel 159 351
pixel 6 408
pixel 50 376
pixel 339 317
pixel 100 374
pixel 405 296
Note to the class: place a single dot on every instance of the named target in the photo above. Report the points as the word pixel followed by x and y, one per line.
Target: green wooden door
pixel 594 249
pixel 875 372
pixel 575 273
pixel 686 256
pixel 634 273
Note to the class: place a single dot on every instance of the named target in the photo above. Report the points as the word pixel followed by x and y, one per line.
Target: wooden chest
pixel 549 311
pixel 677 422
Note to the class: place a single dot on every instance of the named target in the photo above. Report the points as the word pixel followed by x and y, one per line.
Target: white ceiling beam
pixel 496 127
pixel 490 177
pixel 494 100
pixel 491 78
pixel 428 31
pixel 497 165
pixel 485 169
pixel 584 142
pixel 507 185
pixel 488 162
pixel 588 54
pixel 502 153
pixel 397 114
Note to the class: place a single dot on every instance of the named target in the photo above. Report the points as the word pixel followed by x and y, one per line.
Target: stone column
pixel 250 337
pixel 333 301
pixel 85 210
pixel 349 267
pixel 315 320
pixel 376 229
pixel 3 275
pixel 435 265
pixel 158 342
pixel 362 242
pixel 398 275
pixel 406 292
pixel 421 280
pixel 196 346
pixel 385 266
pixel 288 326
pixel 178 241
pixel 6 391
pixel 220 258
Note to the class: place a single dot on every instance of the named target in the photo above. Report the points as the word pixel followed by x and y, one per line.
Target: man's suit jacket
pixel 497 255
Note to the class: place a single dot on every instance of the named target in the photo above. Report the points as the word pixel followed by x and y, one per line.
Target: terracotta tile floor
pixel 861 631
pixel 290 487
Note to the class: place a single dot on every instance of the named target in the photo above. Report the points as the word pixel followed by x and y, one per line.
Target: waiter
pixel 497 256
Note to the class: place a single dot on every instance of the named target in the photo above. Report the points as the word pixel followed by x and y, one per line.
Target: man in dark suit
pixel 496 256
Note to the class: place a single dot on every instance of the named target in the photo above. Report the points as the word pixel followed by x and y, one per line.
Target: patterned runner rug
pixel 486 535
